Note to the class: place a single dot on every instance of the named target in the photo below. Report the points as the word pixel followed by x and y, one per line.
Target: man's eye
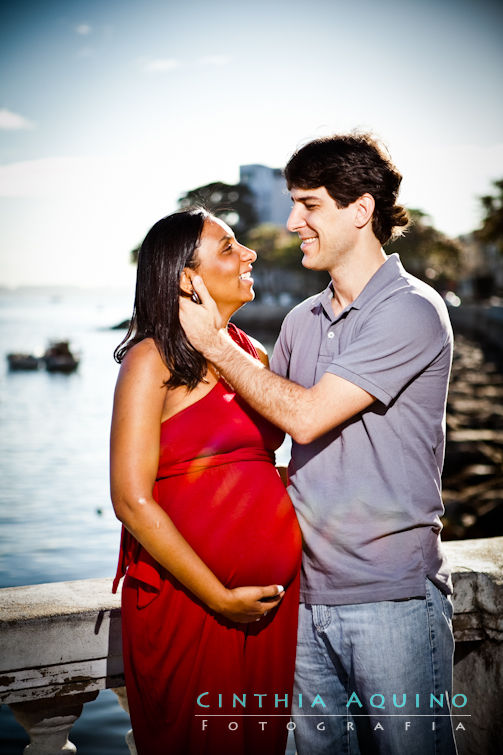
pixel 310 206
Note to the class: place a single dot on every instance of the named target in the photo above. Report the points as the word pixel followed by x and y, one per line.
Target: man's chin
pixel 308 263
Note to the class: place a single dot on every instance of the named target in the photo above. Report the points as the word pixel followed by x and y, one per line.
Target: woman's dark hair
pixel 169 246
pixel 348 166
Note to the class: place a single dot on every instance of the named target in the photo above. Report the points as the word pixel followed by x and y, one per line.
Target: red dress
pixel 196 682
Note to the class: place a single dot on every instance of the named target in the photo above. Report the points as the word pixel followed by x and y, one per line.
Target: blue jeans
pixel 365 654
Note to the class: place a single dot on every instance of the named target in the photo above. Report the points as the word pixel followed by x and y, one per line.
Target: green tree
pixel 275 246
pixel 279 265
pixel 428 253
pixel 492 224
pixel 133 255
pixel 233 203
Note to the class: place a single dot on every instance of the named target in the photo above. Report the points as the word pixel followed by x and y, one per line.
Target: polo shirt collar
pixel 387 273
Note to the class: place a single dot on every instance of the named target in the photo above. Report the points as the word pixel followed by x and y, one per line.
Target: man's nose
pixel 295 219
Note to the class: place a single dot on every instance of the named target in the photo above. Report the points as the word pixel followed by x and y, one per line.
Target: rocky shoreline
pixel 473 471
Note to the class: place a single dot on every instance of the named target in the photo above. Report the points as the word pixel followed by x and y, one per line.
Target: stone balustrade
pixel 61 644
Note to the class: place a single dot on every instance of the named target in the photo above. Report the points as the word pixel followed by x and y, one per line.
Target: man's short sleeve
pixel 398 340
pixel 280 360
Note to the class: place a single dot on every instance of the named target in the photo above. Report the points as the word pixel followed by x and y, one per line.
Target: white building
pixel 272 199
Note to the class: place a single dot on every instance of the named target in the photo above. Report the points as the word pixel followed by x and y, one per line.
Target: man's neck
pixel 350 277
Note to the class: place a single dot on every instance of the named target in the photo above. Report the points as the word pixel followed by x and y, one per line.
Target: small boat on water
pixel 23 361
pixel 59 358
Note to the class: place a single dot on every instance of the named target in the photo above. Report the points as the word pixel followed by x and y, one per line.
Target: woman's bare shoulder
pixel 261 351
pixel 144 358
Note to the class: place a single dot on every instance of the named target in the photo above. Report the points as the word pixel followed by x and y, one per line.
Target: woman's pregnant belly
pixel 239 520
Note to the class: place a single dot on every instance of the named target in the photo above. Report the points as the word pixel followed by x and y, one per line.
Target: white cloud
pixel 86 52
pixel 161 65
pixel 165 65
pixel 83 29
pixel 48 177
pixel 10 121
pixel 215 60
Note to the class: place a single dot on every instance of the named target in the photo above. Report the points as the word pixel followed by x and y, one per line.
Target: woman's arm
pixel 134 458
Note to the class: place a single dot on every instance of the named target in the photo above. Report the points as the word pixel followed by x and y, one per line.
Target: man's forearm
pixel 281 401
pixel 304 413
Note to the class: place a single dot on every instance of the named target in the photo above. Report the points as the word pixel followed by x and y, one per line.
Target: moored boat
pixel 19 361
pixel 59 358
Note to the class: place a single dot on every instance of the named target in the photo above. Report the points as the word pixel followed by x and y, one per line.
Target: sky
pixel 110 109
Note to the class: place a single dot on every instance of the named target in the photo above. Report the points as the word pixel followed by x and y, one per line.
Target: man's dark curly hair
pixel 348 166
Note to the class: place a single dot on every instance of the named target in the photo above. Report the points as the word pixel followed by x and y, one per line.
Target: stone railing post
pixel 123 702
pixel 48 722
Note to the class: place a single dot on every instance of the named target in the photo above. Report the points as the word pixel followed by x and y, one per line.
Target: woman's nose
pixel 248 254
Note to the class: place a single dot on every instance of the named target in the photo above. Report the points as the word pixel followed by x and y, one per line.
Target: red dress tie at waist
pixel 201 463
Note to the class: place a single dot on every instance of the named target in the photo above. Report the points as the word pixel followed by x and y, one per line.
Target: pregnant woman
pixel 210 544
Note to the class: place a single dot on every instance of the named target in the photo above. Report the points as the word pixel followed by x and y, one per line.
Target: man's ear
pixel 365 206
pixel 185 281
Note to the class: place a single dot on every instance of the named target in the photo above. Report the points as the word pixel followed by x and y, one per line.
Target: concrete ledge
pixel 477 573
pixel 60 638
pixel 57 599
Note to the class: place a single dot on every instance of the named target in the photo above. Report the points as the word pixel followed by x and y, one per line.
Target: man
pixel 359 379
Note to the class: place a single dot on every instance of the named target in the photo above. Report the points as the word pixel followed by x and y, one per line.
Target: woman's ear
pixel 185 281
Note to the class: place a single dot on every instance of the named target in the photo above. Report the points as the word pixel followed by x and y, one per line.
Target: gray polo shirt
pixel 367 493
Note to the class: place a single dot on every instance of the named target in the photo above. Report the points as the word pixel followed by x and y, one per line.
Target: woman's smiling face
pixel 225 266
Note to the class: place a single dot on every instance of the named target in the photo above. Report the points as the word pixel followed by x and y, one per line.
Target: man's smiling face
pixel 328 232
